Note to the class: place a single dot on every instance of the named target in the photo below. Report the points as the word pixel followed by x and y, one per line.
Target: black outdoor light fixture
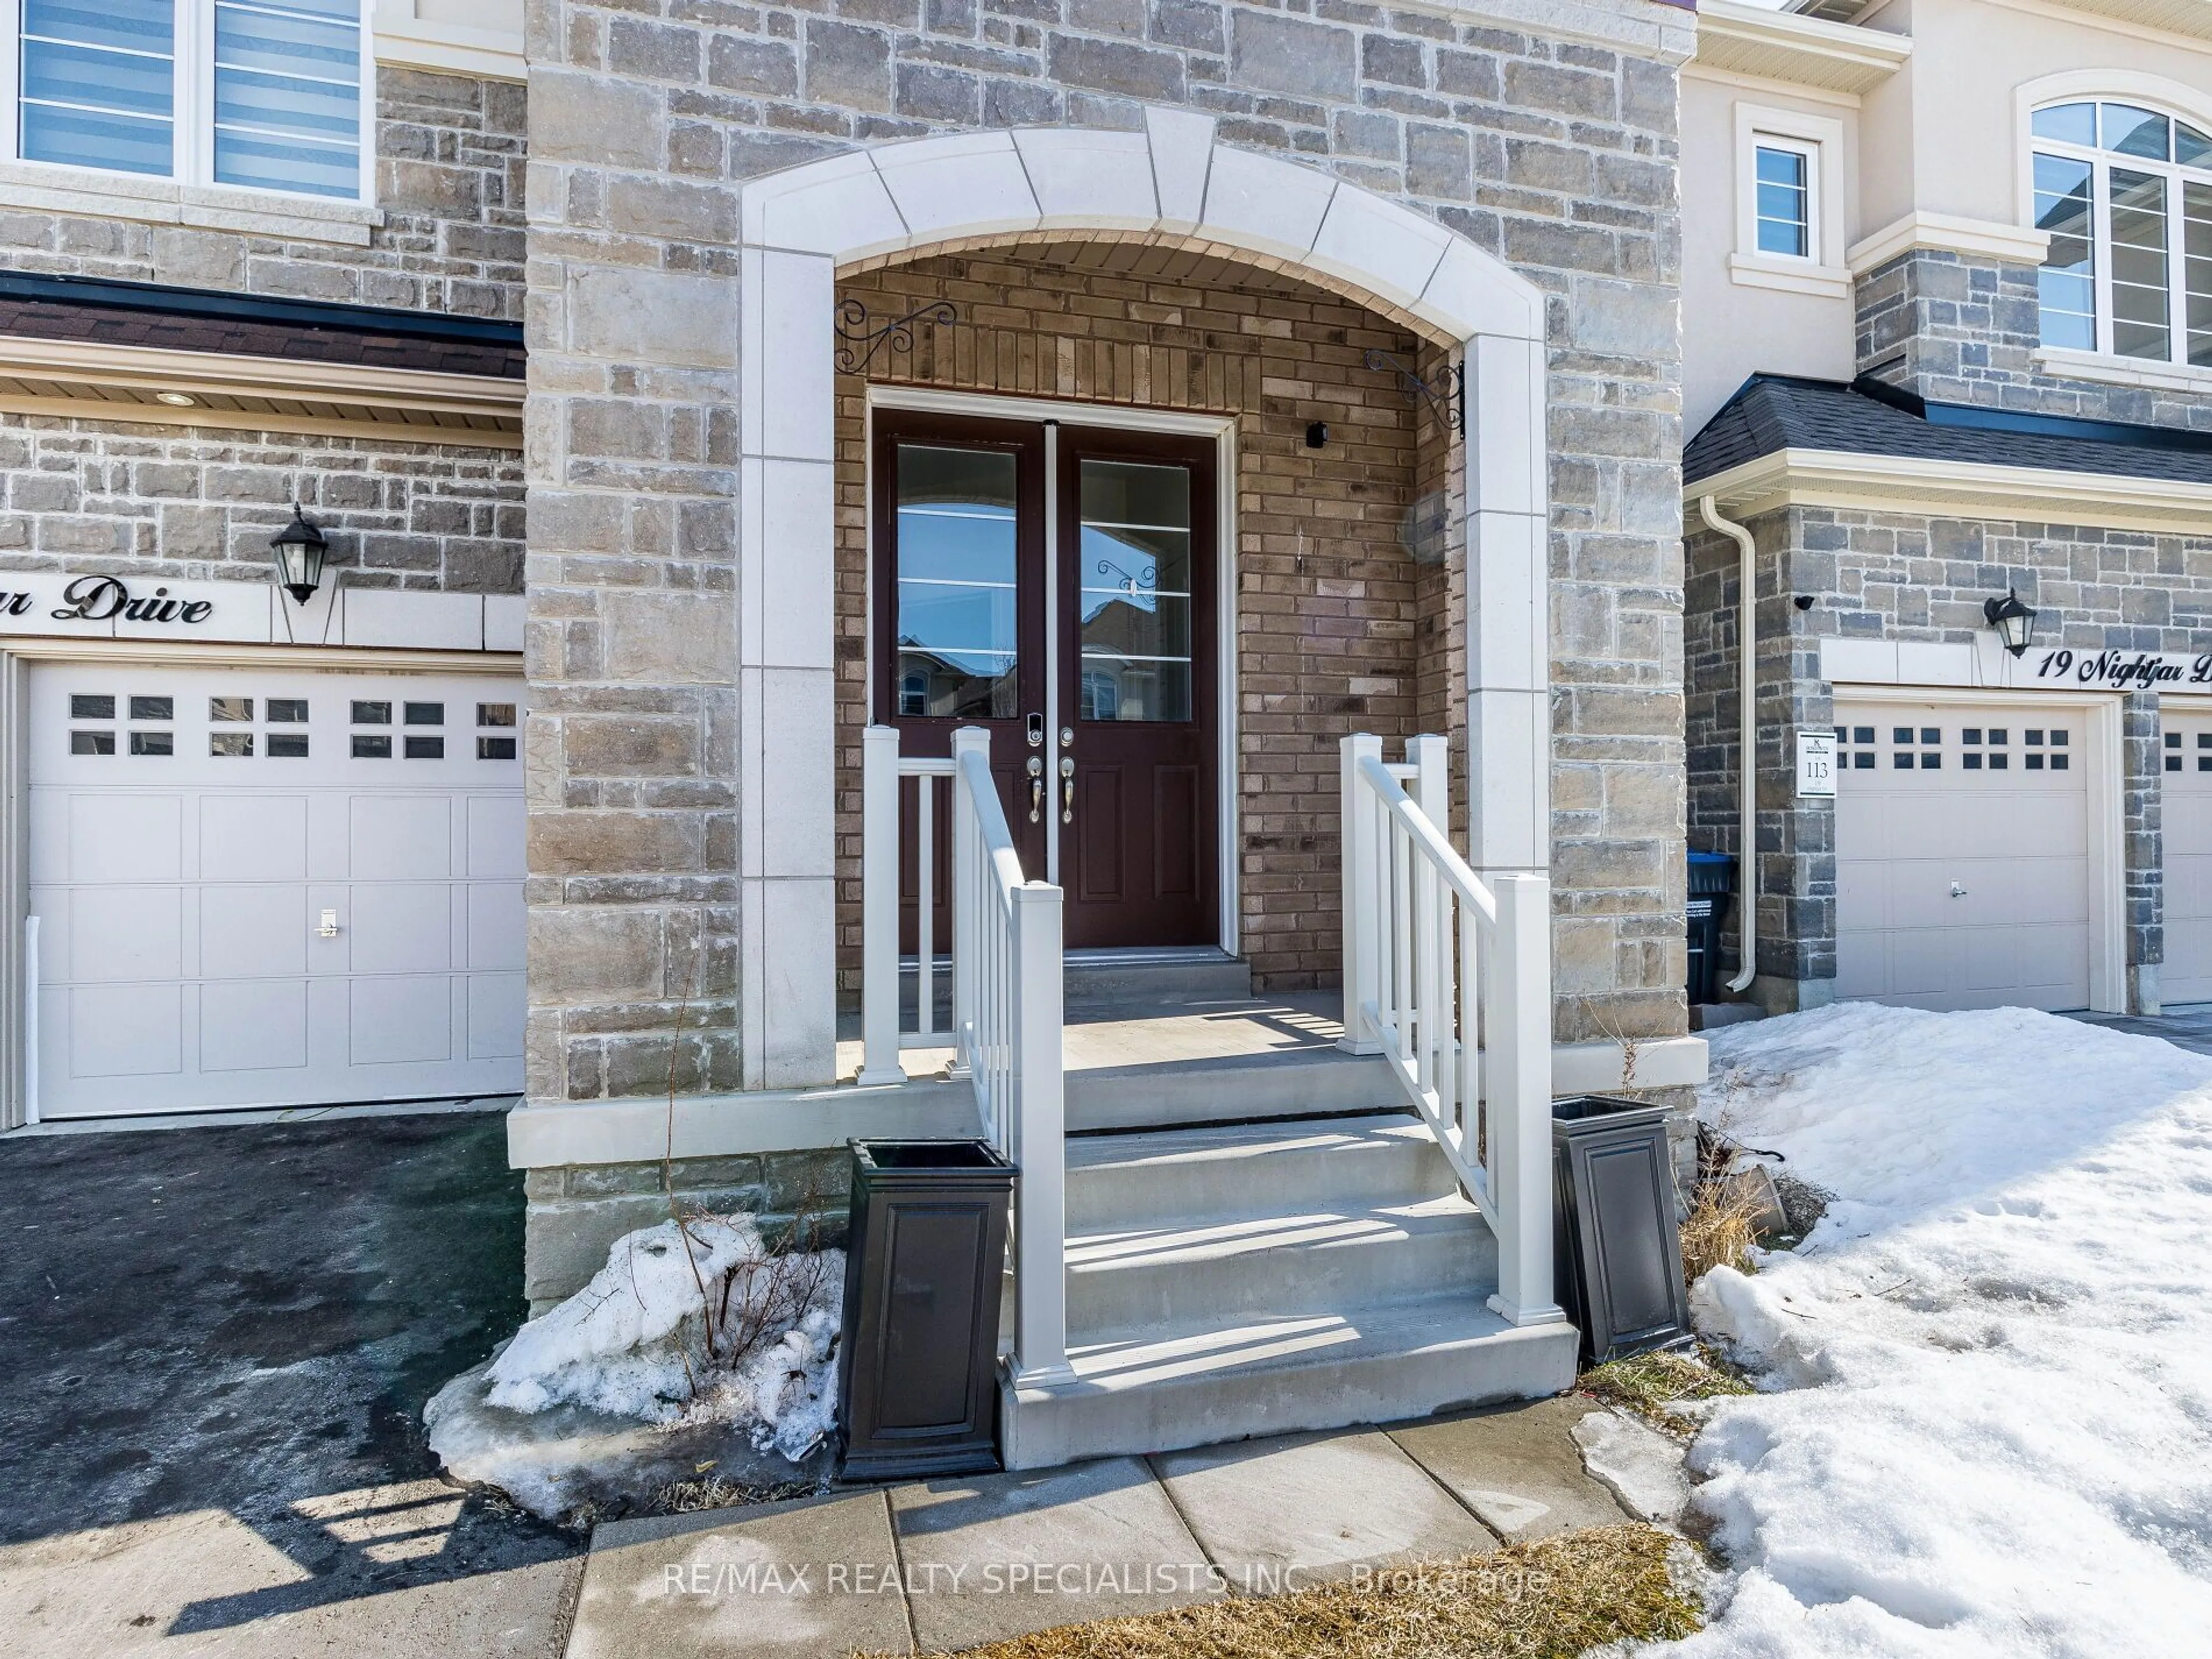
pixel 299 547
pixel 2014 621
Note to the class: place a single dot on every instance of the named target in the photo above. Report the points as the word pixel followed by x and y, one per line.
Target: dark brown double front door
pixel 1055 584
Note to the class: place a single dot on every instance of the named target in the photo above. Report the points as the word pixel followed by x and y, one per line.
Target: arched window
pixel 2126 194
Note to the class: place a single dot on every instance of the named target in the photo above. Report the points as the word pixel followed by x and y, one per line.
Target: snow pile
pixel 696 1324
pixel 1991 1427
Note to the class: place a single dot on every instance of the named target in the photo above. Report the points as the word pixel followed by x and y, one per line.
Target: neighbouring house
pixel 1948 338
pixel 258 851
pixel 1105 573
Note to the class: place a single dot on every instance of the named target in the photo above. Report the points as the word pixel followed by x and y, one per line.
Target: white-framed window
pixel 2125 193
pixel 1784 178
pixel 263 95
pixel 1790 198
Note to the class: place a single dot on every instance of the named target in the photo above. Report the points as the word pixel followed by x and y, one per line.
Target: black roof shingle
pixel 1770 412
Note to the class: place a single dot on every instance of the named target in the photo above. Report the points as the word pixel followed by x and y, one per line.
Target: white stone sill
pixel 2070 365
pixel 40 188
pixel 792 1120
pixel 1791 275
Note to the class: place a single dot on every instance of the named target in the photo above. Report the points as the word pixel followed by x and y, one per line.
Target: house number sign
pixel 2122 671
pixel 1816 761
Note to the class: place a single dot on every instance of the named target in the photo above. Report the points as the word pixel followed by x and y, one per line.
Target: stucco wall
pixel 1732 329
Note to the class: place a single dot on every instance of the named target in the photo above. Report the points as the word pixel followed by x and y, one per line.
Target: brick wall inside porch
pixel 1339 628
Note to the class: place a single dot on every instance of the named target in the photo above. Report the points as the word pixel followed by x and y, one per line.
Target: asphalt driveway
pixel 214 1347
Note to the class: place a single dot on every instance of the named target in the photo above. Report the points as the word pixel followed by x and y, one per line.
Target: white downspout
pixel 1746 681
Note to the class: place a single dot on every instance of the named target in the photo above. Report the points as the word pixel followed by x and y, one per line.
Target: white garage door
pixel 1962 867
pixel 261 889
pixel 2187 815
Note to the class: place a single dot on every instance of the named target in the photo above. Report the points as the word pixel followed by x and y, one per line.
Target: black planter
pixel 1618 1258
pixel 917 1388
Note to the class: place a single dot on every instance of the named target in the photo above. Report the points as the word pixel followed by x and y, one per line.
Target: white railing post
pixel 1040 1149
pixel 1431 791
pixel 968 896
pixel 879 907
pixel 1519 1075
pixel 1359 868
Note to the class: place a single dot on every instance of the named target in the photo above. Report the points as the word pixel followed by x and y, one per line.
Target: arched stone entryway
pixel 1173 180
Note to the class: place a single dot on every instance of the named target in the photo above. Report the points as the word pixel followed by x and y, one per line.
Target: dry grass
pixel 1550 1600
pixel 1721 1228
pixel 1649 1384
pixel 712 1492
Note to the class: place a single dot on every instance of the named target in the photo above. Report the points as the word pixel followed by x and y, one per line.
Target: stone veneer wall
pixel 1962 330
pixel 1909 576
pixel 1330 605
pixel 1559 155
pixel 114 498
pixel 449 176
pixel 96 494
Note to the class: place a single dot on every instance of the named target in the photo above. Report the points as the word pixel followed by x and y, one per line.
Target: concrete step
pixel 1132 1181
pixel 1109 1091
pixel 1154 978
pixel 1235 1268
pixel 1229 1380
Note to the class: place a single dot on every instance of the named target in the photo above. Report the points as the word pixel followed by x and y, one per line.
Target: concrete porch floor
pixel 1161 1063
pixel 1117 1033
pixel 944 1564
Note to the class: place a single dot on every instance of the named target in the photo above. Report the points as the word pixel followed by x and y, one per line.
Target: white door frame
pixel 1121 417
pixel 15 659
pixel 2104 781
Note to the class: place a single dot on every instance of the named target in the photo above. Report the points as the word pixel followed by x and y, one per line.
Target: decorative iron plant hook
pixel 861 338
pixel 1445 391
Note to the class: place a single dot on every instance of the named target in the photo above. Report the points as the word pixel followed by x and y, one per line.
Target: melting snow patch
pixel 1640 1466
pixel 693 1347
pixel 1987 1426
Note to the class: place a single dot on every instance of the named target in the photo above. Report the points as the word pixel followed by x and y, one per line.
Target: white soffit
pixel 89 378
pixel 1781 45
pixel 478 38
pixel 1892 483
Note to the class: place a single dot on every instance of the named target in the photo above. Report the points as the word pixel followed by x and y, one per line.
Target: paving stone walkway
pixel 936 1567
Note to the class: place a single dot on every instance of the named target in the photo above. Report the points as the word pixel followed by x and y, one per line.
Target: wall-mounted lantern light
pixel 300 548
pixel 2014 621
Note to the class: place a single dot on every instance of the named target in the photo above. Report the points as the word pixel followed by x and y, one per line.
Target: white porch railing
pixel 884 1029
pixel 1007 1004
pixel 1449 979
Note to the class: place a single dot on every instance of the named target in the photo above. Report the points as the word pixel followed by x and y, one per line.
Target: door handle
pixel 328 925
pixel 1036 789
pixel 1067 788
pixel 1957 891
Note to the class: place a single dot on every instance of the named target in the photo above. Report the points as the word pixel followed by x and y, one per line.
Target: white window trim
pixel 2155 92
pixel 1819 138
pixel 189 196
